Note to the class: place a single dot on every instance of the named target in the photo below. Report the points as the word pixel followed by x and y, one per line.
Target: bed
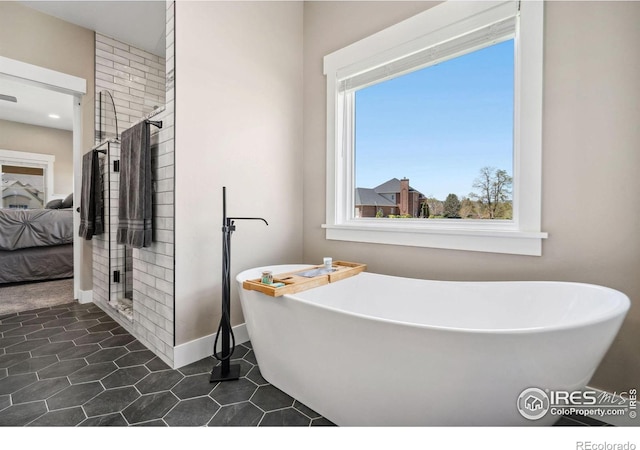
pixel 36 244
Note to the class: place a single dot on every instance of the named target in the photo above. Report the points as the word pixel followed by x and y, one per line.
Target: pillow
pixel 68 202
pixel 54 204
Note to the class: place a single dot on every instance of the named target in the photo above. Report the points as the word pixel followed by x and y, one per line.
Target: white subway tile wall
pixel 140 83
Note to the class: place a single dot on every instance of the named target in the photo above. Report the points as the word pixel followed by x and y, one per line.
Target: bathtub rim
pixel 619 309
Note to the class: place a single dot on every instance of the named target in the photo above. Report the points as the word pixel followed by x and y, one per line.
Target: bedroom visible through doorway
pixel 39 263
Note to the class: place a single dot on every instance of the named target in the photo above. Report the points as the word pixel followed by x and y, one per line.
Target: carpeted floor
pixel 17 297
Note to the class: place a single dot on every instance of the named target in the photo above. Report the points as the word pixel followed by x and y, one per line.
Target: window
pixel 480 65
pixel 26 179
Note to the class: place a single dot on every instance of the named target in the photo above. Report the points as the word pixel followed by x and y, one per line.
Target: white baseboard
pixel 618 421
pixel 200 348
pixel 85 296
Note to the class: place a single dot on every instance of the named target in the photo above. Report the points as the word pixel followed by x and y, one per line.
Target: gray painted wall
pixel 239 125
pixel 23 137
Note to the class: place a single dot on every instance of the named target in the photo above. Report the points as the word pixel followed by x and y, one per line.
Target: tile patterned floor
pixel 72 365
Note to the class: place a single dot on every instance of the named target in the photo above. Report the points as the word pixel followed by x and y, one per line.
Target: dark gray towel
pixel 91 206
pixel 135 212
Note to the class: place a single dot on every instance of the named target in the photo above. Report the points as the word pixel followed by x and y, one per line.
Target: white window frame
pixel 36 160
pixel 523 234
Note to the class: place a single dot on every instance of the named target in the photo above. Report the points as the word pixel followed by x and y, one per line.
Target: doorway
pixel 73 89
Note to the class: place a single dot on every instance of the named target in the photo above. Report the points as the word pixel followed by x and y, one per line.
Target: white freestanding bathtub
pixel 388 351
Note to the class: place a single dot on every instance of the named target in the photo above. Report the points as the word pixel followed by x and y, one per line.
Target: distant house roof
pixel 375 196
pixel 390 187
pixel 369 197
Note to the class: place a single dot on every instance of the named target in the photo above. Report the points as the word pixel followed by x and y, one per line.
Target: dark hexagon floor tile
pixel 18 318
pixel 110 401
pixel 151 423
pixel 105 317
pixel 288 417
pixel 37 320
pixel 250 357
pixel 125 377
pixel 8 326
pixel 81 325
pixel 269 398
pixel 110 420
pixel 92 338
pixel 243 414
pixel 79 307
pixel 107 354
pixel 135 346
pixel 10 359
pixel 20 415
pixel 92 372
pixel 95 315
pixel 45 333
pixel 235 391
pixel 240 351
pixel 159 381
pixel 205 365
pixel 3 373
pixel 157 364
pixel 81 351
pixel 74 395
pixel 322 422
pixel 68 335
pixel 255 376
pixel 9 341
pixel 62 369
pixel 73 314
pixel 27 346
pixel 135 358
pixel 14 383
pixel 304 409
pixel 32 364
pixel 52 312
pixel 119 330
pixel 39 310
pixel 52 349
pixel 245 367
pixel 195 412
pixel 23 330
pixel 40 390
pixel 194 386
pixel 62 418
pixel 105 326
pixel 150 407
pixel 117 341
pixel 5 401
pixel 60 322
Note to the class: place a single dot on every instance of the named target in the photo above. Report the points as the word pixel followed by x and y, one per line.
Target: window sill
pixel 503 238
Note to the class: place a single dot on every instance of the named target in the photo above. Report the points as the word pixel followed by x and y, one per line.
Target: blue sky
pixel 440 125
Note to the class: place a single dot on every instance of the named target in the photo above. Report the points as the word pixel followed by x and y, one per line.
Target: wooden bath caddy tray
pixel 293 282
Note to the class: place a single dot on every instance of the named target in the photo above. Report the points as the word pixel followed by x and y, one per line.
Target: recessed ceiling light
pixel 54 116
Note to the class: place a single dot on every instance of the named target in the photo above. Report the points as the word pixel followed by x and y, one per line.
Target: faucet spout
pixel 248 218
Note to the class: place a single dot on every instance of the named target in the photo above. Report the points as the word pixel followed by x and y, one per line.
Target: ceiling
pixel 35 104
pixel 139 23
